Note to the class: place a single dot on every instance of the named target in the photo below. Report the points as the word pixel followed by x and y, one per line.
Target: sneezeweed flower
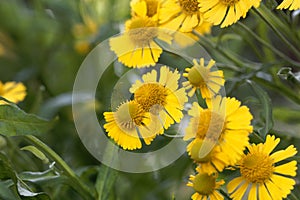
pixel 225 12
pixel 137 46
pixel 147 8
pixel 206 186
pixel 161 95
pixel 289 4
pixel 203 77
pixel 215 160
pixel 12 91
pixel 130 122
pixel 261 175
pixel 182 15
pixel 225 123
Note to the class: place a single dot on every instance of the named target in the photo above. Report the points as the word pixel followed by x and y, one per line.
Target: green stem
pixel 82 189
pixel 263 15
pixel 279 88
pixel 229 56
pixel 263 42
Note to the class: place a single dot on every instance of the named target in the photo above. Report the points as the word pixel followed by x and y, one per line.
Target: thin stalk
pixel 263 42
pixel 82 189
pixel 279 88
pixel 262 14
pixel 220 50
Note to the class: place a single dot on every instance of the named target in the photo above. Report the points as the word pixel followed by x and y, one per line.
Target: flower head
pixel 209 161
pixel 137 46
pixel 206 186
pixel 225 12
pixel 130 122
pixel 200 76
pixel 261 173
pixel 182 15
pixel 12 91
pixel 160 95
pixel 289 4
pixel 224 125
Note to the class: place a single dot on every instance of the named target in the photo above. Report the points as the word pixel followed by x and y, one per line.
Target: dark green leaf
pixel 6 170
pixel 5 192
pixel 266 109
pixel 14 121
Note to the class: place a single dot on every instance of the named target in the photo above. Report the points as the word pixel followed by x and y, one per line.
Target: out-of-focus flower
pixel 289 4
pixel 12 91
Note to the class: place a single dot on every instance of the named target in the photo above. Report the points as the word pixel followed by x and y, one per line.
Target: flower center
pixel 210 125
pixel 195 150
pixel 257 167
pixel 129 115
pixel 204 184
pixel 189 6
pixel 152 97
pixel 229 2
pixel 141 30
pixel 151 7
pixel 198 76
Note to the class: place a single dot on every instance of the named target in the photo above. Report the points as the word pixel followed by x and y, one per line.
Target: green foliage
pixel 259 56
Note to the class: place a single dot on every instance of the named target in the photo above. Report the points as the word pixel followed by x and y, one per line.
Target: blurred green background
pixel 43 43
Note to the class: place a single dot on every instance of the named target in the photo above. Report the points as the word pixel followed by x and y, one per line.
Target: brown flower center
pixel 189 7
pixel 152 97
pixel 257 167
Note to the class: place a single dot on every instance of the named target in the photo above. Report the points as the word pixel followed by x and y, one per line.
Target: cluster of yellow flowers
pixel 218 133
pixel 139 46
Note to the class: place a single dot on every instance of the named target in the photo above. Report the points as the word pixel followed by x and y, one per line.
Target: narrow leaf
pixel 266 111
pixel 36 152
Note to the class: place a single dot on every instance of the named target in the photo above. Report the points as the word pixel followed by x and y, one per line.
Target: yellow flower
pixel 206 186
pixel 84 33
pixel 225 123
pixel 147 8
pixel 209 162
pixel 127 122
pixel 136 47
pixel 203 77
pixel 160 95
pixel 182 15
pixel 290 4
pixel 225 12
pixel 261 173
pixel 12 91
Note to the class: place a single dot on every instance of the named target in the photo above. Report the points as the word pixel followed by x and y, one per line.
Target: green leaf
pixel 5 192
pixel 37 153
pixel 14 121
pixel 266 105
pixel 105 181
pixel 6 170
